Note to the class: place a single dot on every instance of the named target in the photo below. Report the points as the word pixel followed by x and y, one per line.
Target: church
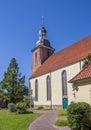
pixel 55 75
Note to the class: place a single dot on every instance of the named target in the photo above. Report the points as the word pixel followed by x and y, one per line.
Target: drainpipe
pixel 50 92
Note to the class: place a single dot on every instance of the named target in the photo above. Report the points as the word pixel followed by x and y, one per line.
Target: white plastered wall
pixel 56 82
pixel 84 92
pixel 42 98
pixel 56 85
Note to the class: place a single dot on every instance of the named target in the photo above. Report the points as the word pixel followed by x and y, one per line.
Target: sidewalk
pixel 46 122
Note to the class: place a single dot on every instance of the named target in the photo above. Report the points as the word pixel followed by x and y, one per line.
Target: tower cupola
pixel 42 33
pixel 42 37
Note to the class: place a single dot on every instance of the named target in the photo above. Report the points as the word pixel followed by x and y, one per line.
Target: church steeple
pixel 43 49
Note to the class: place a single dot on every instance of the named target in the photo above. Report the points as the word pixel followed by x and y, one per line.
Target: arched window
pixel 48 87
pixel 36 90
pixel 64 83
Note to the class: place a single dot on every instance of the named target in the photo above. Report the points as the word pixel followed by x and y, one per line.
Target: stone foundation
pixel 49 107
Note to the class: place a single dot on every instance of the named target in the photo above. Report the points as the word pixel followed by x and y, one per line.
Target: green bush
pixel 12 107
pixel 21 107
pixel 79 116
pixel 61 123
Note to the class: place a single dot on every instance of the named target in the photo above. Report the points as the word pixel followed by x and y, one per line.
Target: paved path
pixel 46 121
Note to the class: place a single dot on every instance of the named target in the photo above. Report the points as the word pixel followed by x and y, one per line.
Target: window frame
pixel 64 83
pixel 48 88
pixel 36 90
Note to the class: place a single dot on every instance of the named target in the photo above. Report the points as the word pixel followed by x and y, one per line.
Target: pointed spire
pixel 42 21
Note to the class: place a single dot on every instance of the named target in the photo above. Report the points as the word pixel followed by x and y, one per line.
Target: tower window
pixel 36 59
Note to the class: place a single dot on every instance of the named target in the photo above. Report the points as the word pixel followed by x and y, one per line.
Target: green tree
pixel 87 60
pixel 13 83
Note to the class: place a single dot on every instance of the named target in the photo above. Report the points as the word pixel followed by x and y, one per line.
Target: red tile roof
pixel 71 54
pixel 84 74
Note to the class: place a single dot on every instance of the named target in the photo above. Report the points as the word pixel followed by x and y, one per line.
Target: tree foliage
pixel 87 60
pixel 13 83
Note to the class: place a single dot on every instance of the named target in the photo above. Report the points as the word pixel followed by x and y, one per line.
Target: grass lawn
pixel 62 113
pixel 12 121
pixel 62 118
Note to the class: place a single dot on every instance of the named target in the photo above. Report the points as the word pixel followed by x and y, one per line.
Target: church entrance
pixel 65 103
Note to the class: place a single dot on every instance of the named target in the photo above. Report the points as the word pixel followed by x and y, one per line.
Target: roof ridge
pixel 71 54
pixel 75 43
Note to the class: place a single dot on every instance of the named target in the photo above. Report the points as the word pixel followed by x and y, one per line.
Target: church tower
pixel 42 51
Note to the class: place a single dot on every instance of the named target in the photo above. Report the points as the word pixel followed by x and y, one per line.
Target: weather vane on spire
pixel 42 20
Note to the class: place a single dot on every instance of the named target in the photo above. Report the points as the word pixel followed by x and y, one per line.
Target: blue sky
pixel 66 22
